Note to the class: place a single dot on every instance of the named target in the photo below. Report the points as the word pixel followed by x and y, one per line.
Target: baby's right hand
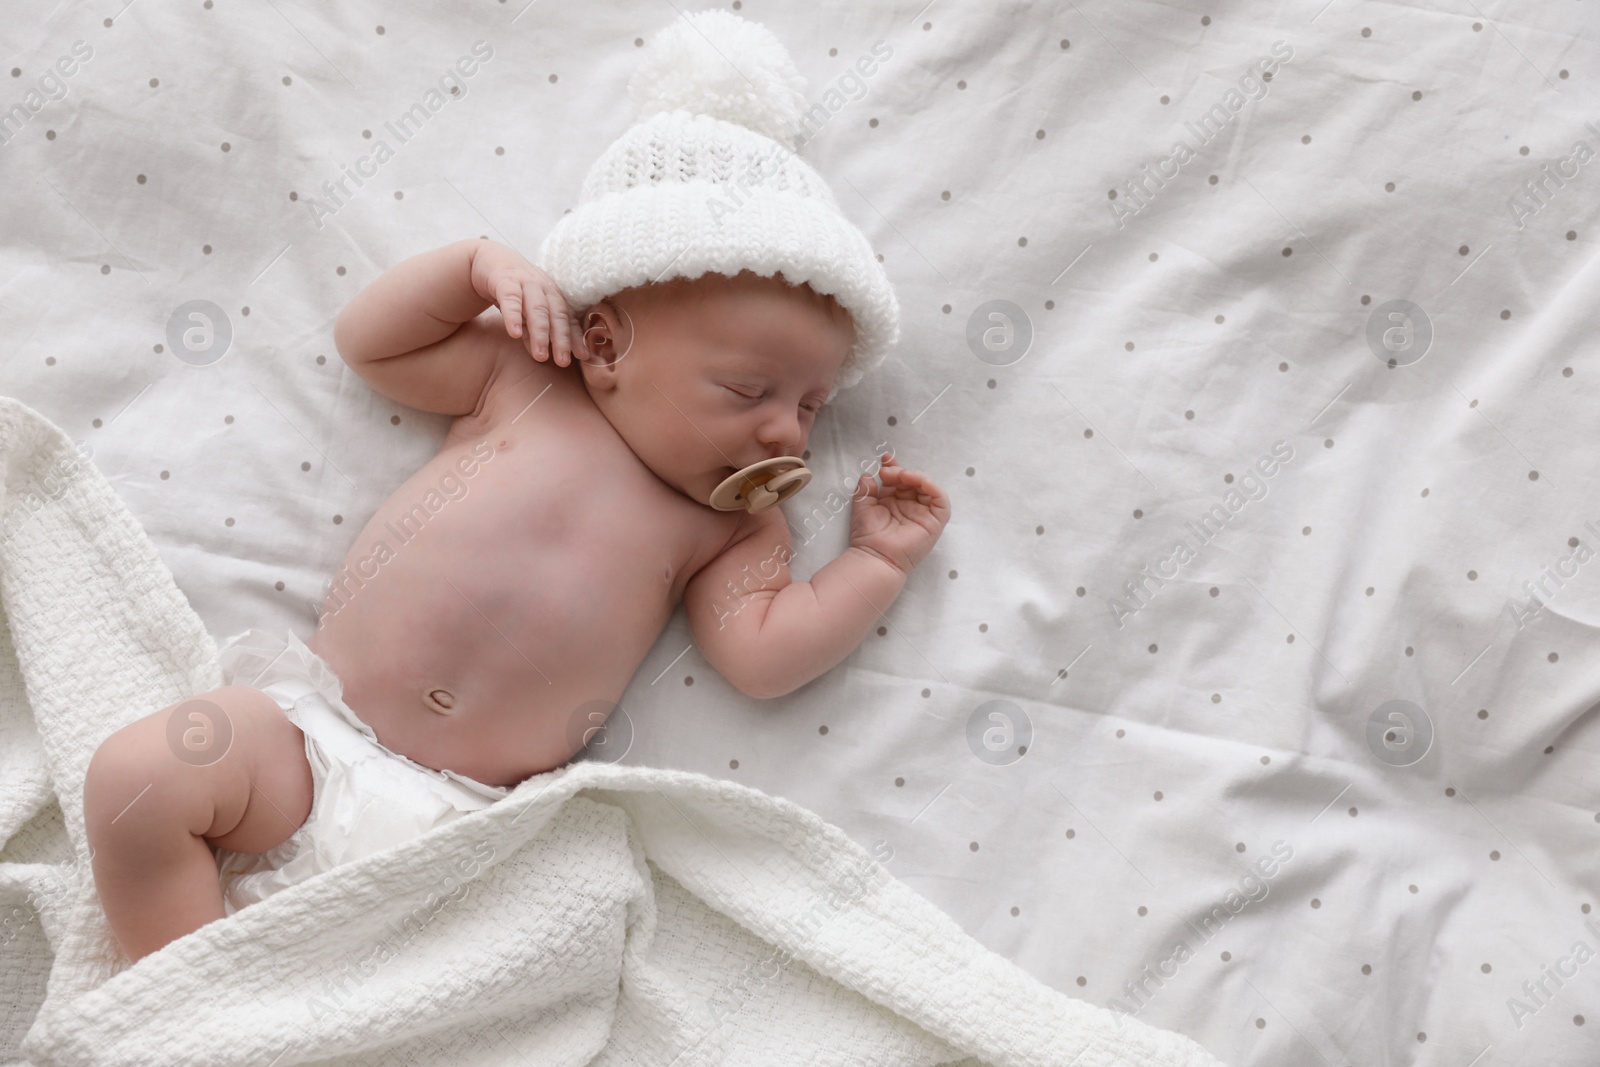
pixel 528 299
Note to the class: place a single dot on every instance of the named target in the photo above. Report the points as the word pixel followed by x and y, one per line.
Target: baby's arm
pixel 769 635
pixel 415 334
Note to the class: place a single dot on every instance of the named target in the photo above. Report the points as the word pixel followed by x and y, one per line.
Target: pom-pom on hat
pixel 708 181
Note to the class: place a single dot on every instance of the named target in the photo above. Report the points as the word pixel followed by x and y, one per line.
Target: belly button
pixel 439 700
pixel 666 575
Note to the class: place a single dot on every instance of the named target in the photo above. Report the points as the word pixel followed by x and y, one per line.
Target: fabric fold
pixel 600 913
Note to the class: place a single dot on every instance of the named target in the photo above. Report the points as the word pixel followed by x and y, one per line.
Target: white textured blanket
pixel 601 914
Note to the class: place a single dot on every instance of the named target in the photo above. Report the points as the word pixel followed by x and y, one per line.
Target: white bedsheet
pixel 1170 349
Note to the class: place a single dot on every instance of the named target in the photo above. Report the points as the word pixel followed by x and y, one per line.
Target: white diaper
pixel 365 798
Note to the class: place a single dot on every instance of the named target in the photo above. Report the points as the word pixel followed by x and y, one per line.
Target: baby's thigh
pixel 226 765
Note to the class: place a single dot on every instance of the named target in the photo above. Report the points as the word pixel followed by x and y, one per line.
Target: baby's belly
pixel 486 642
pixel 490 681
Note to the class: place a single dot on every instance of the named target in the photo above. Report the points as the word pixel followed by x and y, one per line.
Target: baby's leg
pixel 230 771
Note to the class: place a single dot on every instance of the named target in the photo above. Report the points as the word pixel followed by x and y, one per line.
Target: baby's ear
pixel 605 336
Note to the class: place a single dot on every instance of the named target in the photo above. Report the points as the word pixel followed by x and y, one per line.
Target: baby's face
pixel 716 373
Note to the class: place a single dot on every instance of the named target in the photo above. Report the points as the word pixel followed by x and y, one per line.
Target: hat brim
pixel 659 232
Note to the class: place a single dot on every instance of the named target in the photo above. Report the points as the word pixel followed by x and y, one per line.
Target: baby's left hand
pixel 900 520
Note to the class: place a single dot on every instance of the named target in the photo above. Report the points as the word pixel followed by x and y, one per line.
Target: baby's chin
pixel 697 485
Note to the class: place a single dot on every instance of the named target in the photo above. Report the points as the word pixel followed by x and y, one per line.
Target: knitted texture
pixel 708 182
pixel 601 913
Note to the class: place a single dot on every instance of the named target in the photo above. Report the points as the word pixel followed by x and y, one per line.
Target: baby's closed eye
pixel 759 394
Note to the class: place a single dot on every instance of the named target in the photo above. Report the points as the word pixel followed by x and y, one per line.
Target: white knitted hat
pixel 708 181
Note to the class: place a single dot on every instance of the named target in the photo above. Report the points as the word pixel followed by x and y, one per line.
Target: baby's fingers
pixel 916 483
pixel 930 488
pixel 899 475
pixel 509 299
pixel 538 321
pixel 563 324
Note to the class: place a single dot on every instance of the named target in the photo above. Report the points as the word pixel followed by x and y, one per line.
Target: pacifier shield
pixel 761 485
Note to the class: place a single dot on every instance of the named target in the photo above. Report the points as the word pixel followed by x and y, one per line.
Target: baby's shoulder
pixel 766 528
pixel 516 382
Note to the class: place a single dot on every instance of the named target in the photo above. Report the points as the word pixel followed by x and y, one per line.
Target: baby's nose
pixel 790 446
pixel 783 437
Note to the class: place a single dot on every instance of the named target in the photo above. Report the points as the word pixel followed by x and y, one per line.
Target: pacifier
pixel 761 485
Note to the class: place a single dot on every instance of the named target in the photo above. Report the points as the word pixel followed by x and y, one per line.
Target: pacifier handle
pixel 762 497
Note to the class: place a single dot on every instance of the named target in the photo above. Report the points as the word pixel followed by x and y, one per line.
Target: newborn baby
pixel 539 592
pixel 494 632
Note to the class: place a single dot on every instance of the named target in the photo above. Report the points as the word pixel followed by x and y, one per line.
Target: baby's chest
pixel 564 503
